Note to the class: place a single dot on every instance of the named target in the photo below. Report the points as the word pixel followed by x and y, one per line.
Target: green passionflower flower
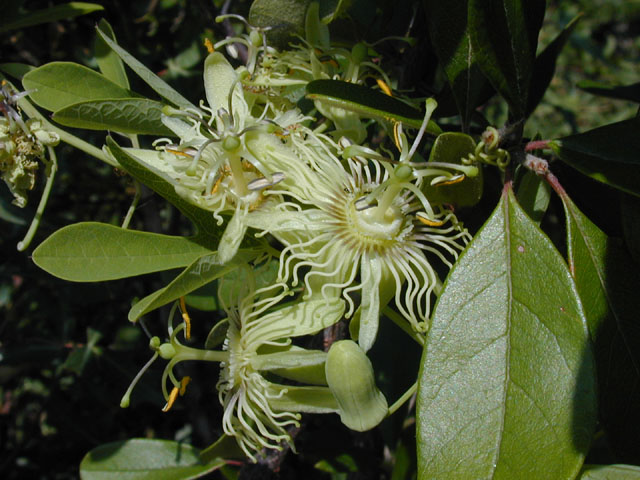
pixel 258 411
pixel 226 156
pixel 362 225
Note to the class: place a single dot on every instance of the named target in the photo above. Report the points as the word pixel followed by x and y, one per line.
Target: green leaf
pixel 609 472
pixel 53 14
pixel 452 147
pixel 140 458
pixel 125 115
pixel 608 154
pixel 202 271
pixel 16 70
pixel 607 281
pixel 367 102
pixel 545 65
pixel 109 63
pixel 506 388
pixel 159 182
pixel 225 447
pixel 448 28
pixel 92 252
pixel 534 196
pixel 622 92
pixel 504 37
pixel 150 78
pixel 59 84
pixel 286 17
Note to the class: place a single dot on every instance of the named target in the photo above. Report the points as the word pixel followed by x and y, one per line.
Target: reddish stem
pixel 536 145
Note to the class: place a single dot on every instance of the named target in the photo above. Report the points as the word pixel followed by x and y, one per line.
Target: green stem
pixel 52 168
pixel 405 396
pixel 134 204
pixel 403 324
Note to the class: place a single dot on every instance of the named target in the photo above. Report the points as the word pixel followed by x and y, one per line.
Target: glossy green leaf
pixel 452 147
pixel 608 154
pixel 125 115
pixel 16 70
pixel 504 37
pixel 449 32
pixel 139 459
pixel 155 82
pixel 286 17
pixel 53 14
pixel 545 65
pixel 607 281
pixel 367 102
pixel 609 472
pixel 506 388
pixel 225 447
pixel 109 63
pixel 622 92
pixel 57 85
pixel 92 252
pixel 533 195
pixel 202 271
pixel 159 182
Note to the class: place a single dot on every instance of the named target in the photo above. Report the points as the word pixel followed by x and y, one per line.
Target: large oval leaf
pixel 59 84
pixel 504 37
pixel 125 115
pixel 506 388
pixel 92 252
pixel 607 281
pixel 608 154
pixel 449 31
pixel 140 458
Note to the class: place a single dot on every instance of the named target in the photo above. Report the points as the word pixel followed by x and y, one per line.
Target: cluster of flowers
pixel 356 228
pixel 22 145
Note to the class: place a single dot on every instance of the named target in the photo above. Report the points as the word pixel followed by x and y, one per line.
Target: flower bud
pixel 350 377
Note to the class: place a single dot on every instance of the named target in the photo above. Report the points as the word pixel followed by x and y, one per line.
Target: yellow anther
pixel 384 87
pixel 185 318
pixel 430 223
pixel 172 399
pixel 183 384
pixel 178 152
pixel 208 45
pixel 396 135
pixel 452 181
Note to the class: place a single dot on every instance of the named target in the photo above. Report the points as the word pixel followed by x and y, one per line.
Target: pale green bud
pixel 350 377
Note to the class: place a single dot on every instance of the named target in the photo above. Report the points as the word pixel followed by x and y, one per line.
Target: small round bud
pixel 231 144
pixel 167 351
pixel 154 343
pixel 403 172
pixel 255 38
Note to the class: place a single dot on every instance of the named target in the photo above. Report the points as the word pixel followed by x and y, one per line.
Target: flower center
pixel 370 229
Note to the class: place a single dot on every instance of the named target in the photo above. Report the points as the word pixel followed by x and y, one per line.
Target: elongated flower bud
pixel 350 378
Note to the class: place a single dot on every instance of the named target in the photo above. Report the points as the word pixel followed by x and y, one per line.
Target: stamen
pixel 183 384
pixel 432 223
pixel 384 87
pixel 172 399
pixel 185 318
pixel 208 45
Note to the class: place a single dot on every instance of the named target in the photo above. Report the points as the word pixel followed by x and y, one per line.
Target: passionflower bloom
pixel 363 225
pixel 226 156
pixel 258 411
